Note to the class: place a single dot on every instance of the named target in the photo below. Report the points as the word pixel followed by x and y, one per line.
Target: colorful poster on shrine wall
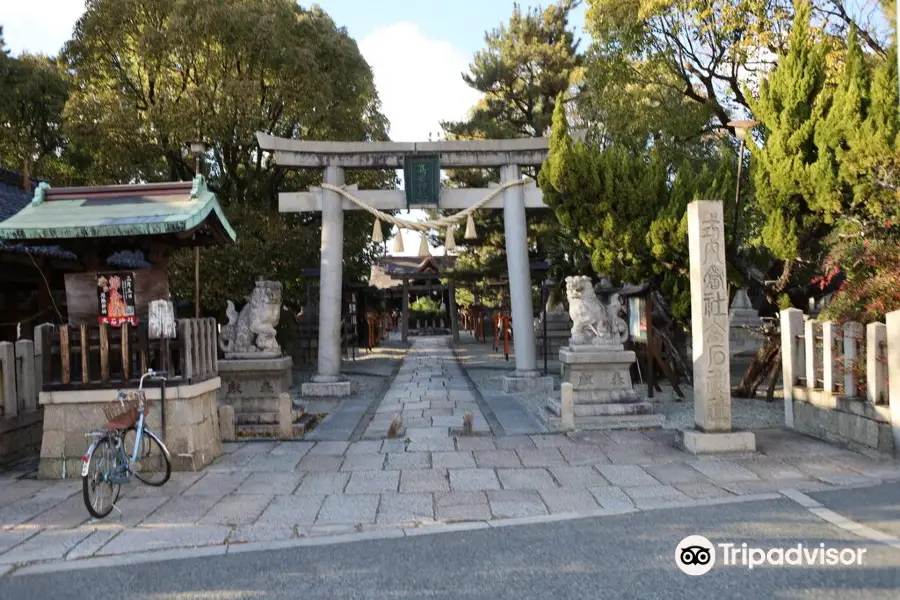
pixel 116 296
pixel 637 319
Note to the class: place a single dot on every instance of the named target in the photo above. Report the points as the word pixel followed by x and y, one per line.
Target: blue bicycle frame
pixel 139 434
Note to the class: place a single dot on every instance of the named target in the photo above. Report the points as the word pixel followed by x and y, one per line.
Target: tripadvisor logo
pixel 696 555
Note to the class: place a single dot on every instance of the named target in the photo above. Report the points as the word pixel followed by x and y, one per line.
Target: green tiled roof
pixel 118 211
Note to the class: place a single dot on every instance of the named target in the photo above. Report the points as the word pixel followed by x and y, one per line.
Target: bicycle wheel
pixel 99 493
pixel 155 467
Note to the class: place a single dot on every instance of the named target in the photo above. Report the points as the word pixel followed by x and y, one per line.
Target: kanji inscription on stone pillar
pixel 709 316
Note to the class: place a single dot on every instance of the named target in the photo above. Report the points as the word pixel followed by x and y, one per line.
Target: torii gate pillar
pixel 515 230
pixel 327 381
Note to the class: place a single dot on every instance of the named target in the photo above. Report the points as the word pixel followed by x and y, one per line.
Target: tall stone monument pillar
pixel 709 329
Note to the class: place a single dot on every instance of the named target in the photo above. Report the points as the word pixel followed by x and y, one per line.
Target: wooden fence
pixel 100 356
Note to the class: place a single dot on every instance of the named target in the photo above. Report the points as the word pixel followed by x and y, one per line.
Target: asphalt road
pixel 628 556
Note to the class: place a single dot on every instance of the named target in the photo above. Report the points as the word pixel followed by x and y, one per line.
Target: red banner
pixel 115 293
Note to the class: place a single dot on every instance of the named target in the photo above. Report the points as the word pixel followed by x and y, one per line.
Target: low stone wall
pixel 836 418
pixel 20 415
pixel 191 430
pixel 20 436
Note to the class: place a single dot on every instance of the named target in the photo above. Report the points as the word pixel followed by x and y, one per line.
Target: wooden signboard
pixel 83 293
pixel 422 179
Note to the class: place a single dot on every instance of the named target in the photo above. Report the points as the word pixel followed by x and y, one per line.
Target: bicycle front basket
pixel 124 408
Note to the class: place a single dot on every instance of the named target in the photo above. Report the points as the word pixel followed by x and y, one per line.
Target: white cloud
pixel 419 81
pixel 39 26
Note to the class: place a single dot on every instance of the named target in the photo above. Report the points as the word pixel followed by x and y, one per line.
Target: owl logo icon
pixel 695 555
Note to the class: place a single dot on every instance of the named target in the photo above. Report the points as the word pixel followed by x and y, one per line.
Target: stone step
pixel 599 410
pixel 249 430
pixel 300 419
pixel 605 396
pixel 265 418
pixel 255 418
pixel 302 423
pixel 603 410
pixel 554 423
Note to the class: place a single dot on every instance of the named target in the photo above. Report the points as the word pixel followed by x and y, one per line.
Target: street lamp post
pixel 741 130
pixel 198 149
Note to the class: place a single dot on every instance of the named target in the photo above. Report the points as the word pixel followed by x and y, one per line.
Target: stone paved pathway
pixel 431 393
pixel 269 491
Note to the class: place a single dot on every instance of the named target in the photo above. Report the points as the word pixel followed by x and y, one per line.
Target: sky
pixel 417 49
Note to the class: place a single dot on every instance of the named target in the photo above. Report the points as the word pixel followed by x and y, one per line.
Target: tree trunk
pixel 760 368
pixel 776 373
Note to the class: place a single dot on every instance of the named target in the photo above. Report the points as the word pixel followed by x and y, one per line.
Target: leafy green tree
pixel 674 63
pixel 858 167
pixel 792 102
pixel 32 97
pixel 151 75
pixel 856 141
pixel 627 209
pixel 525 66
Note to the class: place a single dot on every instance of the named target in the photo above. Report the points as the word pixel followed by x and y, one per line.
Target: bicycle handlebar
pixel 152 375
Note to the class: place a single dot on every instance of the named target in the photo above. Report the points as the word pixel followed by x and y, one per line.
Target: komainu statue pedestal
pixel 255 376
pixel 598 367
pixel 257 389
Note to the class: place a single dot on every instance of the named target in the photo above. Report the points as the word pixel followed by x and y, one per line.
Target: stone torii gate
pixel 336 157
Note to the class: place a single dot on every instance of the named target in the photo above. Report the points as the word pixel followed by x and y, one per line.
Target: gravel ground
pixel 486 369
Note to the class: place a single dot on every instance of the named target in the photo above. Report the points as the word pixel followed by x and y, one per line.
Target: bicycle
pixel 107 463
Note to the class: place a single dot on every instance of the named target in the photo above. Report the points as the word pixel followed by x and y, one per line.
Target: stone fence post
pixel 791 358
pixel 831 332
pixel 27 395
pixel 853 335
pixel 876 365
pixel 214 335
pixel 186 333
pixel 9 398
pixel 41 353
pixel 893 368
pixel 209 340
pixel 812 330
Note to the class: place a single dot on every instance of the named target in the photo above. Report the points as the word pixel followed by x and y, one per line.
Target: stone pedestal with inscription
pixel 710 335
pixel 257 389
pixel 603 395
